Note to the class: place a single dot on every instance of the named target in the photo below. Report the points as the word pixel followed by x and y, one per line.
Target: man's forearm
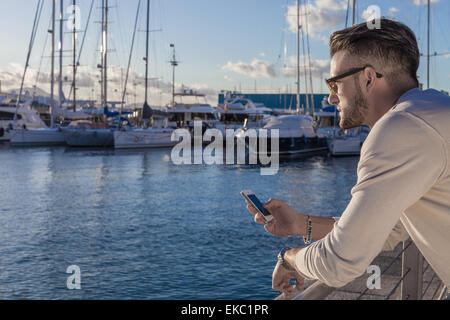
pixel 321 226
pixel 289 256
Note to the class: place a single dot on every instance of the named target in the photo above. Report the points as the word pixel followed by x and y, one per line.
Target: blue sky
pixel 222 45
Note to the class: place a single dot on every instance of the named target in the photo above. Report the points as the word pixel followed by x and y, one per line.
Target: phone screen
pixel 257 203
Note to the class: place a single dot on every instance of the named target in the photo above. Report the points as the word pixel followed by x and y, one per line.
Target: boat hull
pixel 345 147
pixel 293 146
pixel 95 138
pixel 4 135
pixel 37 137
pixel 145 138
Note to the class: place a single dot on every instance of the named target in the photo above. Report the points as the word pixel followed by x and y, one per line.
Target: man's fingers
pixel 269 226
pixel 251 208
pixel 259 218
pixel 287 290
pixel 273 204
pixel 299 282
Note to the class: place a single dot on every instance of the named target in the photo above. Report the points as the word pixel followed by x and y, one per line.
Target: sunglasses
pixel 331 83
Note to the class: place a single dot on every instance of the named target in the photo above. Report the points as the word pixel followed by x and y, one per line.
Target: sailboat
pixel 144 137
pixel 93 135
pixel 296 132
pixel 49 135
pixel 25 118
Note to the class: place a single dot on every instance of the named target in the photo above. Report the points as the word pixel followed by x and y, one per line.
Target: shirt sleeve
pixel 398 234
pixel 400 160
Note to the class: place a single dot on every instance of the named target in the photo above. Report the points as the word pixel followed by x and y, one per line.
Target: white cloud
pixel 257 68
pixel 366 14
pixel 323 15
pixel 89 87
pixel 318 67
pixel 393 10
pixel 423 2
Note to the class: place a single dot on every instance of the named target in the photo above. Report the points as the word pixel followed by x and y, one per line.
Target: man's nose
pixel 333 99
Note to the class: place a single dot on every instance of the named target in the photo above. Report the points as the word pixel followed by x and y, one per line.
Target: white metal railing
pixel 411 281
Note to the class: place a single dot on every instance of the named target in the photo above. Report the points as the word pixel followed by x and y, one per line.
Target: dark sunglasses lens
pixel 332 85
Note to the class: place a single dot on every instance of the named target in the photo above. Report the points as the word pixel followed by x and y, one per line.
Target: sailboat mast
pixel 74 55
pixel 30 47
pixel 428 44
pixel 354 12
pixel 173 78
pixel 298 57
pixel 174 63
pixel 146 51
pixel 102 97
pixel 129 57
pixel 52 73
pixel 105 54
pixel 60 90
pixel 305 67
pixel 309 58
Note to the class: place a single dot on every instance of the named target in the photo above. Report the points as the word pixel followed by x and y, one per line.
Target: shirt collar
pixel 407 95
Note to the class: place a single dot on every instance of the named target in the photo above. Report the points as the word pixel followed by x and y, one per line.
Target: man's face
pixel 349 98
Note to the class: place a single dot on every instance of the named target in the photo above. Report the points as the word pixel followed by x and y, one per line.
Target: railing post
pixel 412 265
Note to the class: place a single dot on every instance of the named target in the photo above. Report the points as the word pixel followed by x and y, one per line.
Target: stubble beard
pixel 355 112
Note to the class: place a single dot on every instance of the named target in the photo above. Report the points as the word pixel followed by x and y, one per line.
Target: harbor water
pixel 140 227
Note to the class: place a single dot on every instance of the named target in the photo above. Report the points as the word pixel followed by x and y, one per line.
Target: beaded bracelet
pixel 307 237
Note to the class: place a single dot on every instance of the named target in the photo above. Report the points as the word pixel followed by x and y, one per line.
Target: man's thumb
pixel 272 204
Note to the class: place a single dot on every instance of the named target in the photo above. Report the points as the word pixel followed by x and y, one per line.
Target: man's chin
pixel 348 125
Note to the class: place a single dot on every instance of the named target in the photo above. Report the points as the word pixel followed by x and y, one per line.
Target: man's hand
pixel 286 221
pixel 281 278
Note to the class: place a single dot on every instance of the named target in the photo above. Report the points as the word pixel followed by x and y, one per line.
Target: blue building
pixel 279 100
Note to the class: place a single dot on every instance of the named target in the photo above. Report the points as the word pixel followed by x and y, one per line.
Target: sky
pixel 244 45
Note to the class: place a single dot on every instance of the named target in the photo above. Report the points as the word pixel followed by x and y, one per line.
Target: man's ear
pixel 370 77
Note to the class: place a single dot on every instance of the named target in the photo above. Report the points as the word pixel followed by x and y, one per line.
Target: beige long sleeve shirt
pixel 403 184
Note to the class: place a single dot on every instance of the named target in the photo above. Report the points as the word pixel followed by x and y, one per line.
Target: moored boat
pixel 143 138
pixel 88 134
pixel 37 137
pixel 296 135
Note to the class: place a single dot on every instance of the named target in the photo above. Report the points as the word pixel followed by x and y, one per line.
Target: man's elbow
pixel 334 273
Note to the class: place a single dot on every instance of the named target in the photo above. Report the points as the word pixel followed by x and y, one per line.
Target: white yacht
pixel 183 114
pixel 154 134
pixel 45 136
pixel 237 112
pixel 348 142
pixel 143 138
pixel 340 142
pixel 296 135
pixel 26 118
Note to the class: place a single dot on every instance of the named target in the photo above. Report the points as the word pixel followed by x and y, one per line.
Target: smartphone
pixel 253 199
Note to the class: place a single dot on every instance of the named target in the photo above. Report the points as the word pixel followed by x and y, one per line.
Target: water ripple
pixel 140 227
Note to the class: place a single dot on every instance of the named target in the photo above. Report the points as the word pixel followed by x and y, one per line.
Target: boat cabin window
pixel 243 102
pixel 326 122
pixel 8 116
pixel 203 116
pixel 233 117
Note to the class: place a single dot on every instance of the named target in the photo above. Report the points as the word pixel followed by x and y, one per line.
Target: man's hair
pixel 394 46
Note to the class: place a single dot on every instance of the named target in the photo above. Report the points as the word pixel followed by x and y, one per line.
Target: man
pixel 403 186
